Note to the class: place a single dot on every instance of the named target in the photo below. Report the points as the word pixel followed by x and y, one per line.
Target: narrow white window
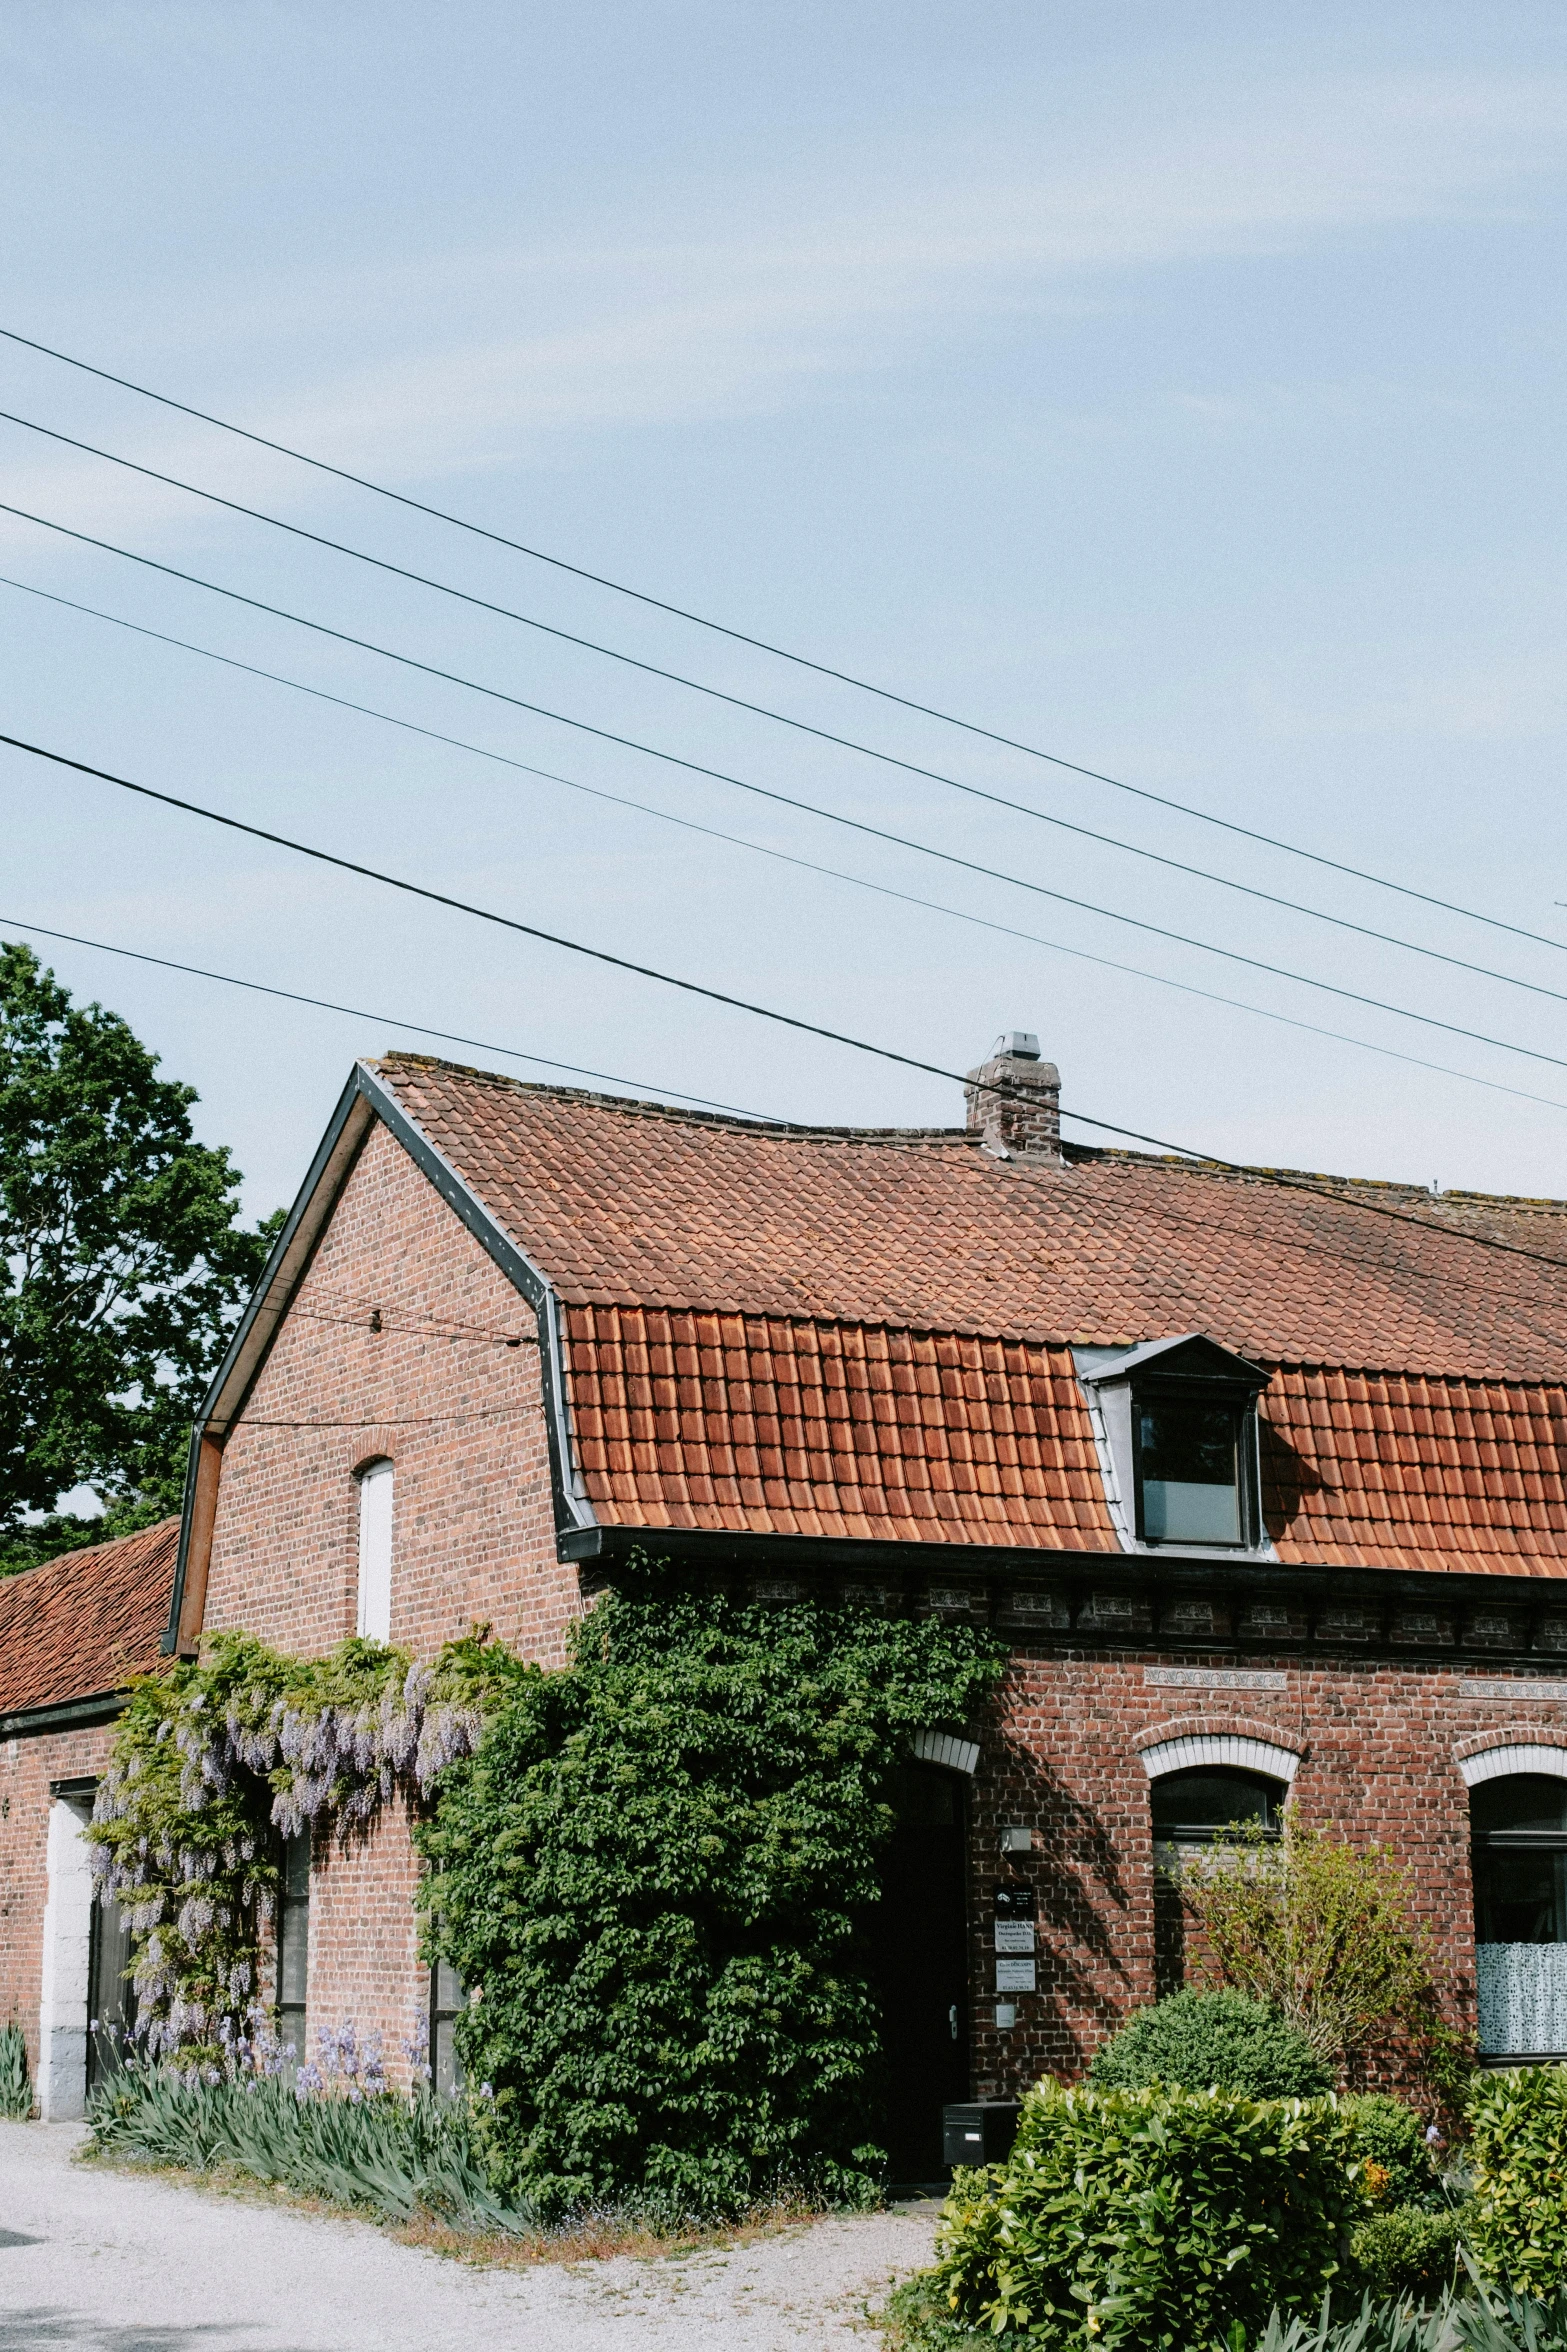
pixel 375 1552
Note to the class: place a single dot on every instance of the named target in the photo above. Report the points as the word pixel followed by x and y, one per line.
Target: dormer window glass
pixel 1189 1469
pixel 1176 1424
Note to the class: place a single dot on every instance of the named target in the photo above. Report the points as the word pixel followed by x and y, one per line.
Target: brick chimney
pixel 1022 1118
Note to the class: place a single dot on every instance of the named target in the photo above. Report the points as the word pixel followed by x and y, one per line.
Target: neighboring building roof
pixel 863 1334
pixel 76 1626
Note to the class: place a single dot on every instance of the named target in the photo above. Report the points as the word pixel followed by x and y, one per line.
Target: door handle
pixel 952 2020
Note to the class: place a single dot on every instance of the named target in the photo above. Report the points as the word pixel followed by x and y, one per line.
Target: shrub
pixel 1194 2040
pixel 654 1875
pixel 1405 2251
pixel 1148 2220
pixel 16 2092
pixel 1322 1933
pixel 1390 2140
pixel 1517 2156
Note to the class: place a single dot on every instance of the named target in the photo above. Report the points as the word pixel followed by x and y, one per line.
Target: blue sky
pixel 1177 390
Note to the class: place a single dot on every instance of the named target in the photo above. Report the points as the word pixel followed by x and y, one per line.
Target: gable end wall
pixel 459 1415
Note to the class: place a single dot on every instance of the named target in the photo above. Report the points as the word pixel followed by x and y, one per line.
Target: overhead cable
pixel 734 841
pixel 509 1053
pixel 801 726
pixel 783 799
pixel 793 1021
pixel 1268 1177
pixel 778 652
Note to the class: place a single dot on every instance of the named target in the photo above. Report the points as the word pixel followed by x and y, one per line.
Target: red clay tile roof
pixel 1402 1472
pixel 792 1428
pixel 73 1627
pixel 860 1334
pixel 627 1203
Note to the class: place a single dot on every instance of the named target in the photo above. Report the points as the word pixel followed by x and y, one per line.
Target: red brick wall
pixel 27 1766
pixel 364 1956
pixel 458 1414
pixel 1378 1765
pixel 473 1538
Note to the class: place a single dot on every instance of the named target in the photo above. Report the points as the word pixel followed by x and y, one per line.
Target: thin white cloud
pixel 763 312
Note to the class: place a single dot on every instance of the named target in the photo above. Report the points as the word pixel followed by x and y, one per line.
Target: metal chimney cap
pixel 1021 1044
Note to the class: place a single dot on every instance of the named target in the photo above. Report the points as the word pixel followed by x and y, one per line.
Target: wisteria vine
pixel 218 1760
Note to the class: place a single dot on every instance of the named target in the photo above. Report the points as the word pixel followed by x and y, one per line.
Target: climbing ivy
pixel 216 1760
pixel 653 1868
pixel 654 1876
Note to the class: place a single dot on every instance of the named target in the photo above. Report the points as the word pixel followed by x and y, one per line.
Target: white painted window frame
pixel 373 1616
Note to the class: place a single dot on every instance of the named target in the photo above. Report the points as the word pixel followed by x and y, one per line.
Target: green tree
pixel 1325 1935
pixel 122 1268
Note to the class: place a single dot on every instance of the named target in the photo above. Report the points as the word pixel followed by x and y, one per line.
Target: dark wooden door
pixel 920 1940
pixel 111 1997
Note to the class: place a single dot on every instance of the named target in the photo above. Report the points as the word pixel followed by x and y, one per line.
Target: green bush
pixel 1405 2251
pixel 655 1876
pixel 1517 2156
pixel 1195 2040
pixel 1390 2140
pixel 381 2153
pixel 1148 2220
pixel 16 2092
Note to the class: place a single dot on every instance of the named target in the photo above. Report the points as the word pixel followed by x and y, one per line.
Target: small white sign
pixel 1014 1935
pixel 1015 1976
pixel 1242 1678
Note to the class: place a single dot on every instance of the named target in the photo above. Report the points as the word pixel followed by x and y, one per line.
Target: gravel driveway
pixel 97 2261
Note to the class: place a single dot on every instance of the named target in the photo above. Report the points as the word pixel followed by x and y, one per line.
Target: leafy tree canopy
pixel 122 1268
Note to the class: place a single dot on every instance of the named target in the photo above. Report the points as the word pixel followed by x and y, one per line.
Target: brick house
pixel 1260 1476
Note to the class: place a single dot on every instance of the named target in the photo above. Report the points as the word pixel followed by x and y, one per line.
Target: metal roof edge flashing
pixel 572 1508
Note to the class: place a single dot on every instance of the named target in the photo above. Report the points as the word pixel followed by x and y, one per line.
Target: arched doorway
pixel 919 1959
pixel 1518 1829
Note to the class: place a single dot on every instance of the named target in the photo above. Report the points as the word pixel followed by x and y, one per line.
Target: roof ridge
pixel 639 1106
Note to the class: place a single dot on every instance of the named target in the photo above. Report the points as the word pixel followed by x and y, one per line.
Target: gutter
pixel 63 1715
pixel 988 1572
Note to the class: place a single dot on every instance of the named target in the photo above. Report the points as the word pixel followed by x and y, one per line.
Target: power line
pixel 763 792
pixel 1275 1178
pixel 736 841
pixel 778 652
pixel 323 1004
pixel 762 1012
pixel 801 726
pixel 1201 1160
pixel 366 1306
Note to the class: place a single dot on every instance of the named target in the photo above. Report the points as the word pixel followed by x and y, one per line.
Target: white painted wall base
pixel 62 2016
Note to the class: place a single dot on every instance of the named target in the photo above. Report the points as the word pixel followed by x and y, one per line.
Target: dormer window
pixel 1177 1422
pixel 1189 1468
